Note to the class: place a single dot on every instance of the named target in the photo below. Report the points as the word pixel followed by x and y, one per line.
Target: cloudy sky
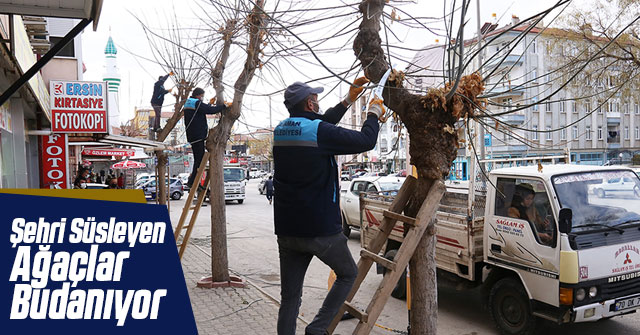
pixel 139 71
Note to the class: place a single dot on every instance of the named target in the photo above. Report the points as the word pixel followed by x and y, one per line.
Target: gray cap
pixel 297 91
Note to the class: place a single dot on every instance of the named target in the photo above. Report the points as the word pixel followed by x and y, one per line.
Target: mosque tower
pixel 112 77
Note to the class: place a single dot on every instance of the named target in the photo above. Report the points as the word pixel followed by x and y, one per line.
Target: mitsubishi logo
pixel 627 260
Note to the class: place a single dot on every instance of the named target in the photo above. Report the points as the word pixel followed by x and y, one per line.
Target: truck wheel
pixel 509 306
pixel 240 201
pixel 600 193
pixel 400 291
pixel 346 230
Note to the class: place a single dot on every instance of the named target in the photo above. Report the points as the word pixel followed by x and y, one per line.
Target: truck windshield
pixel 610 198
pixel 231 174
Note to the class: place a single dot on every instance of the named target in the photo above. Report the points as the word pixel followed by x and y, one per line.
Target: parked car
pixel 175 189
pixel 618 186
pixel 375 174
pixel 345 175
pixel 350 197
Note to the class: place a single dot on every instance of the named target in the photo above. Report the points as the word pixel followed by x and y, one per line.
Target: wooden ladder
pixel 182 245
pixel 395 267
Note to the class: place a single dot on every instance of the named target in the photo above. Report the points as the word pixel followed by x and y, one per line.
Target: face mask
pixel 83 185
pixel 316 107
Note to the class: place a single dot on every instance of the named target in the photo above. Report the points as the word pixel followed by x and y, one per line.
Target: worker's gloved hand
pixel 377 108
pixel 171 73
pixel 227 106
pixel 212 101
pixel 355 89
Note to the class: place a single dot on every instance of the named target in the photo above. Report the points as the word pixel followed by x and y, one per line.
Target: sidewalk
pixel 227 311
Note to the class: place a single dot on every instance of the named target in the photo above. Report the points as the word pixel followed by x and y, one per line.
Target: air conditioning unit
pixel 36 28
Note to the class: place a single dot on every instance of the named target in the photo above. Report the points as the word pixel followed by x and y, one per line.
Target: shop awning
pixel 108 152
pixel 73 9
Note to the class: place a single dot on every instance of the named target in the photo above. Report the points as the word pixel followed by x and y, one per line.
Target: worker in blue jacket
pixel 195 122
pixel 307 208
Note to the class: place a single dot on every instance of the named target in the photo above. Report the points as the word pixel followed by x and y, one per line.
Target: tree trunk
pixel 219 136
pixel 161 187
pixel 219 261
pixel 422 268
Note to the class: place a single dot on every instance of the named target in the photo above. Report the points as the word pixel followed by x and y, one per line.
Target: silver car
pixel 175 189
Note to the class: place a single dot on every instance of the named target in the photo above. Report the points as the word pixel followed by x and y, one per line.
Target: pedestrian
pixel 307 210
pixel 158 99
pixel 268 186
pixel 195 121
pixel 112 183
pixel 81 179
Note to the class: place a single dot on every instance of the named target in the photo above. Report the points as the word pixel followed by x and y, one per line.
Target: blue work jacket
pixel 306 174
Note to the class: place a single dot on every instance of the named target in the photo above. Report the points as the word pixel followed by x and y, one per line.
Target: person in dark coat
pixel 82 178
pixel 307 209
pixel 195 120
pixel 158 99
pixel 268 186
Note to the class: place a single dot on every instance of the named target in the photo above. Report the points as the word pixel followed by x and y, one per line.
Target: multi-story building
pixel 389 154
pixel 534 109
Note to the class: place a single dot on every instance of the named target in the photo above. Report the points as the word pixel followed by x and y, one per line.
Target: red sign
pixel 79 107
pixel 54 161
pixel 109 152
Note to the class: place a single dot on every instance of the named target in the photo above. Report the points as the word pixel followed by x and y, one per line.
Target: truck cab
pixel 574 254
pixel 542 242
pixel 234 183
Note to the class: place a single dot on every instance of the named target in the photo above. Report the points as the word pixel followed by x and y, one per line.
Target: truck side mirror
pixel 564 220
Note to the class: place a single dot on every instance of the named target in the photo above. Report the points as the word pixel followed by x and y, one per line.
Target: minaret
pixel 112 77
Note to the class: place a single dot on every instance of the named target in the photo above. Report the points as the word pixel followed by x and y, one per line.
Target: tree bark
pixel 430 120
pixel 161 187
pixel 217 142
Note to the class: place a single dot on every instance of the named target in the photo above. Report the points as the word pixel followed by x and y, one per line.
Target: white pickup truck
pixel 547 245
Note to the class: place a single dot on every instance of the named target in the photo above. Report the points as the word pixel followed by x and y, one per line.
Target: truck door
pixel 521 235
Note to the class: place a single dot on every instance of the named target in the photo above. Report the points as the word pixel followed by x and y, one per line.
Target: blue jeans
pixel 295 255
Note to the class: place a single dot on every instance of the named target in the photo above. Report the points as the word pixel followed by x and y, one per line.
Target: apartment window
pixel 548 133
pixel 548 47
pixel 563 134
pixel 637 133
pixel 535 132
pixel 547 107
pixel 636 108
pixel 534 102
pixel 587 107
pixel 599 133
pixel 588 131
pixel 574 108
pixel 575 132
pixel 534 75
pixel 67 51
pixel 626 133
pixel 561 106
pixel 626 108
pixel 534 46
pixel 599 107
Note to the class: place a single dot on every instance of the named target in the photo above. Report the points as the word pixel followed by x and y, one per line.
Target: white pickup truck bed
pixel 459 241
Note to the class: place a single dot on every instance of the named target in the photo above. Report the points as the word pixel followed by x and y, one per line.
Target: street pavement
pixel 253 255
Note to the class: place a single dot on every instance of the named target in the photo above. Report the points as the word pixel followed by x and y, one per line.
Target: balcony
pixel 513 119
pixel 613 118
pixel 613 139
pixel 500 91
pixel 510 60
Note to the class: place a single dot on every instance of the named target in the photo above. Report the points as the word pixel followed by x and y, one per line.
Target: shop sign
pixel 5 117
pixel 78 107
pixel 54 161
pixel 109 152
